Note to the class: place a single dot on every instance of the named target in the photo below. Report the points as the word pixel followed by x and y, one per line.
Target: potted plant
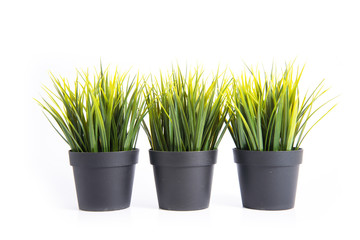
pixel 100 120
pixel 268 122
pixel 186 125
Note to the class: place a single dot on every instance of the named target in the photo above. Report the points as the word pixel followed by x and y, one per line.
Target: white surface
pixel 38 198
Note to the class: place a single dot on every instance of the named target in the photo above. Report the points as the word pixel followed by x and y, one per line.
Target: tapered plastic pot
pixel 268 179
pixel 104 180
pixel 183 179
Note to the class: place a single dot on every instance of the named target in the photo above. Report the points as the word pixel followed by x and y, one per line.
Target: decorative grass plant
pixel 269 114
pixel 99 115
pixel 184 113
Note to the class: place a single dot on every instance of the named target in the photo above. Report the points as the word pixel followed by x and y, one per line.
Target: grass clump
pixel 184 113
pixel 267 112
pixel 99 115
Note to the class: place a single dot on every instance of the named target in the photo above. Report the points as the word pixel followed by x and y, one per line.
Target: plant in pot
pixel 99 119
pixel 186 124
pixel 268 122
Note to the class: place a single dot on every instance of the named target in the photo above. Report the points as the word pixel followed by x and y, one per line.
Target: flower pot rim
pixel 256 151
pixel 132 150
pixel 157 151
pixel 183 159
pixel 268 158
pixel 103 159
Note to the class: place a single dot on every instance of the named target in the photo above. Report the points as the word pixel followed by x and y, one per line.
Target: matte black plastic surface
pixel 268 180
pixel 183 179
pixel 104 180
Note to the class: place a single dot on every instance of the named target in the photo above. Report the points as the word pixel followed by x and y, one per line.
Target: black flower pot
pixel 268 179
pixel 104 180
pixel 183 179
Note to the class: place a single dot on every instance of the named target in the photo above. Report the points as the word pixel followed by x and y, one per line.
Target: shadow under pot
pixel 104 180
pixel 268 179
pixel 183 179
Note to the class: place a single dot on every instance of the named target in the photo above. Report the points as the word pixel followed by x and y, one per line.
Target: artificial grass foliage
pixel 185 114
pixel 267 112
pixel 99 115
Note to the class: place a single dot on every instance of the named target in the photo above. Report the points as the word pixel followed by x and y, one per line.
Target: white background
pixel 38 199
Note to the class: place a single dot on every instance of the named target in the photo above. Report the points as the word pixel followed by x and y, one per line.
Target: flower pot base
pixel 104 180
pixel 183 188
pixel 268 188
pixel 268 180
pixel 183 179
pixel 104 189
